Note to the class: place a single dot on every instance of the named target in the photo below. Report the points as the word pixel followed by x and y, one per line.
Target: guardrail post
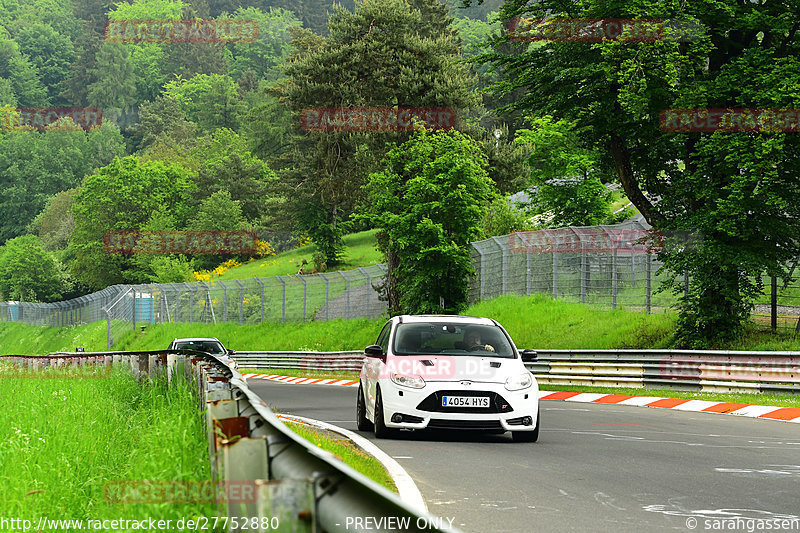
pixel 284 501
pixel 244 460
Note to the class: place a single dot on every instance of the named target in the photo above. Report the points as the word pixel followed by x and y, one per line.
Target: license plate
pixel 465 401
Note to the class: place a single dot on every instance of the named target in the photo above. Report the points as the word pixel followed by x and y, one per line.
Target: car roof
pixel 450 319
pixel 198 339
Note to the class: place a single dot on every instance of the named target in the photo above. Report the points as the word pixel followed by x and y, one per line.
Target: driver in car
pixel 473 340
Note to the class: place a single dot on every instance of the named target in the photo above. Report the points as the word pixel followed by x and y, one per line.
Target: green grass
pixel 780 400
pixel 359 251
pixel 65 439
pixel 347 452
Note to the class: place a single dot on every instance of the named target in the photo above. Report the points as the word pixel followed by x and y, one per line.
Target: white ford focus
pixel 447 372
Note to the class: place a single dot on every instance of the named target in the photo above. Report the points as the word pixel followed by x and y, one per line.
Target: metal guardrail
pixel 694 370
pixel 308 489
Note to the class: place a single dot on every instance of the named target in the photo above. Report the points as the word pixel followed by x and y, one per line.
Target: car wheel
pixel 361 412
pixel 381 431
pixel 528 436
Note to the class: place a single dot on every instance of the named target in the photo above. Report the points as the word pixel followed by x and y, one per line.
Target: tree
pixel 34 166
pixel 564 179
pixel 164 117
pixel 736 193
pixel 212 101
pixel 49 52
pixel 123 195
pixel 429 202
pixel 24 76
pixel 115 84
pixel 218 212
pixel 386 54
pixel 27 272
pixel 266 55
pixel 230 167
pixel 55 223
pixel 74 88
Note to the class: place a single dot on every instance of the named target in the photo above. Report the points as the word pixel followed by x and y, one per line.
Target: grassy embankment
pixel 359 251
pixel 66 438
pixel 535 321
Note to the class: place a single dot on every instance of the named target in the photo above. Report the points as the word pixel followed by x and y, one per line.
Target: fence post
pixel 482 262
pixel 614 278
pixel 241 301
pixel 224 302
pixel 283 300
pixel 583 272
pixel 555 270
pixel 367 288
pixel 774 305
pixel 305 291
pixel 108 329
pixel 327 287
pixel 262 298
pixel 648 267
pixel 347 295
pixel 134 309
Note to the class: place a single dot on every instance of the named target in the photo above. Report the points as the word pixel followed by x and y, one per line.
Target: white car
pixel 447 372
pixel 210 345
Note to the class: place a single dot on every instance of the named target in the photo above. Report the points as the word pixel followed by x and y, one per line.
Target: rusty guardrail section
pixel 297 485
pixel 695 370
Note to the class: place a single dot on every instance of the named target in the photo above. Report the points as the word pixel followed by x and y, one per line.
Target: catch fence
pixel 609 266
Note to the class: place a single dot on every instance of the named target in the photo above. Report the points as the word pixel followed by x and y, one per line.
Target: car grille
pixel 433 403
pixel 478 425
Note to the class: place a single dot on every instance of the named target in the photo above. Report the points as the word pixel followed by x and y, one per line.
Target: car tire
pixel 527 436
pixel 381 431
pixel 362 421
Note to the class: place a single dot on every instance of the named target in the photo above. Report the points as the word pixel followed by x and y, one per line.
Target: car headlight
pixel 520 381
pixel 414 382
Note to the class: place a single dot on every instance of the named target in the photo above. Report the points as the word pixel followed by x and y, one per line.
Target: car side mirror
pixel 375 351
pixel 528 356
pixel 231 352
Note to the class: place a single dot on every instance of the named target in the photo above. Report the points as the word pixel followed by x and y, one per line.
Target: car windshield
pixel 211 347
pixel 419 338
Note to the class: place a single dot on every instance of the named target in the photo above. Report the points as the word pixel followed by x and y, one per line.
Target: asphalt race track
pixel 595 467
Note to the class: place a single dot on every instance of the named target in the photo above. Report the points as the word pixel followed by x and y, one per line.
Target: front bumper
pixel 421 408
